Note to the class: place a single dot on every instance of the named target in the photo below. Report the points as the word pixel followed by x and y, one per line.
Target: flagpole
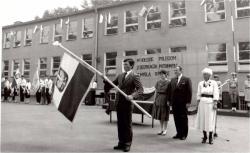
pixel 56 43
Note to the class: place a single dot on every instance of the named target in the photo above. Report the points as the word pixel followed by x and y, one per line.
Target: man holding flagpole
pixel 72 85
pixel 128 82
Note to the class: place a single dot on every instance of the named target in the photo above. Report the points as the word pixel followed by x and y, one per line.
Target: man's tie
pixel 177 79
pixel 124 76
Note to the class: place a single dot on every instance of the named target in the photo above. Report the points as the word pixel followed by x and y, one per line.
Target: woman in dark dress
pixel 161 105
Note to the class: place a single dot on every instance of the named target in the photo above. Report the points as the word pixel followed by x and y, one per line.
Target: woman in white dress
pixel 207 97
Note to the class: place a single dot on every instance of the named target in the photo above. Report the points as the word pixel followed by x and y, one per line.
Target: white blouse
pixel 209 87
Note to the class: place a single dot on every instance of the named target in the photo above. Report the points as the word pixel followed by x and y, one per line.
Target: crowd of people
pixel 175 93
pixel 19 86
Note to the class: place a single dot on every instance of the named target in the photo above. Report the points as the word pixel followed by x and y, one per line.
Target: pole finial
pixel 56 43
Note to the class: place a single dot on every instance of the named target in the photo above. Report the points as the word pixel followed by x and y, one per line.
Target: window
pixel 178 49
pixel 131 21
pixel 87 58
pixel 43 66
pixel 7 40
pixel 177 14
pixel 72 30
pixel 130 53
pixel 153 19
pixel 87 27
pixel 17 39
pixel 242 8
pixel 45 35
pixel 153 51
pixel 16 65
pixel 215 11
pixel 110 65
pixel 6 68
pixel 56 64
pixel 217 54
pixel 26 68
pixel 28 37
pixel 111 24
pixel 58 32
pixel 244 52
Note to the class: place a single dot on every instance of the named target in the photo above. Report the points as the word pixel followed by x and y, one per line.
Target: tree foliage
pixel 59 12
pixel 86 4
pixel 97 3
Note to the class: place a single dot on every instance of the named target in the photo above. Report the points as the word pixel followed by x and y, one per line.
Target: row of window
pixel 217 55
pixel 177 17
pixel 43 65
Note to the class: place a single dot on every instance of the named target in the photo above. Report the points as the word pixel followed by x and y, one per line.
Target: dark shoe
pixel 182 138
pixel 107 112
pixel 176 137
pixel 118 147
pixel 215 135
pixel 210 141
pixel 126 149
pixel 204 139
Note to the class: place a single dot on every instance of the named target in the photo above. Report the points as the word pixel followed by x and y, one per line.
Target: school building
pixel 157 34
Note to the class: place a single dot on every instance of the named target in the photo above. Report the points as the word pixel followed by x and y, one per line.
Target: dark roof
pixel 118 3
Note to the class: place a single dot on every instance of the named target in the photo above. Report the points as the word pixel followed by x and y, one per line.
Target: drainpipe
pixel 96 40
pixel 233 36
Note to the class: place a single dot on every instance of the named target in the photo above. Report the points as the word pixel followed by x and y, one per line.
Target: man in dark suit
pixel 129 83
pixel 180 95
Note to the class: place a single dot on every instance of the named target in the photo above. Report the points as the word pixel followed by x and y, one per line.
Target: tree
pixel 97 3
pixel 85 4
pixel 59 12
pixel 37 17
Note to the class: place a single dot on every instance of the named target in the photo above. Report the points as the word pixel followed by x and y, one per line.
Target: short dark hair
pixel 130 61
pixel 163 72
pixel 180 68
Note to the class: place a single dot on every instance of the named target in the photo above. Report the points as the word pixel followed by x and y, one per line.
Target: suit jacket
pixel 180 93
pixel 131 85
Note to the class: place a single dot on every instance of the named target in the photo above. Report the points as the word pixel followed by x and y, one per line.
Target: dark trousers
pixel 234 105
pixel 21 94
pixel 107 100
pixel 27 95
pixel 181 119
pixel 48 96
pixel 124 123
pixel 6 93
pixel 43 96
pixel 38 96
pixel 14 94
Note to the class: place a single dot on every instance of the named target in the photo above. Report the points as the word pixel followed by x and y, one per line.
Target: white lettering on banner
pixel 148 66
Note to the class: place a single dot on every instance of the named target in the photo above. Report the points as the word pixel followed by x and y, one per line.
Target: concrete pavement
pixel 41 128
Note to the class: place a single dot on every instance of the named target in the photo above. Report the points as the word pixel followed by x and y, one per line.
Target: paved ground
pixel 41 128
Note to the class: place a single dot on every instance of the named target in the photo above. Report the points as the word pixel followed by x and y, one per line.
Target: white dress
pixel 247 90
pixel 205 120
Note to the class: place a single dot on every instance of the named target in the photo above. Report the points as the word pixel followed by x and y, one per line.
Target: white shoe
pixel 160 133
pixel 164 132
